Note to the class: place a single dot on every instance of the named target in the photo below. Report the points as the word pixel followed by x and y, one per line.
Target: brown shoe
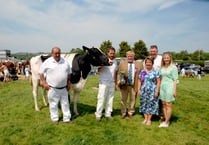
pixel 98 119
pixel 68 122
pixel 130 116
pixel 56 122
pixel 109 117
pixel 123 116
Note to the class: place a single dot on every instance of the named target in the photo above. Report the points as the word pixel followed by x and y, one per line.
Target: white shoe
pixel 164 125
pixel 148 123
pixel 144 122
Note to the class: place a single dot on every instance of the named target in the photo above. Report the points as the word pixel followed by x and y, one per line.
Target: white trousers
pixel 199 76
pixel 106 92
pixel 55 96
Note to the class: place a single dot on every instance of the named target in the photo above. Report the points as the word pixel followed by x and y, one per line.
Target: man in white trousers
pixel 107 86
pixel 55 74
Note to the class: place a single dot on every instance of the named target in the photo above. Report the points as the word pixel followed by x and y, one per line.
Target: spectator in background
pixel 199 71
pixel 183 72
pixel 6 72
pixel 27 72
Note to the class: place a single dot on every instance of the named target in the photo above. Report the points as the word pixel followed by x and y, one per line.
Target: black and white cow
pixel 80 65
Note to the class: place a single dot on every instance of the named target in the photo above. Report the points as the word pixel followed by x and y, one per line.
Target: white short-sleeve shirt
pixel 157 62
pixel 107 73
pixel 56 72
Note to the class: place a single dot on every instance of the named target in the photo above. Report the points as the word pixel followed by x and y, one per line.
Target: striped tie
pixel 130 74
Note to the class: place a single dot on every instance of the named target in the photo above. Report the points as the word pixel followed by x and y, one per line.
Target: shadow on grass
pixel 84 109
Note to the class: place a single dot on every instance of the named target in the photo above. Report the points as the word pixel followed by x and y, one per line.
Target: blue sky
pixel 39 25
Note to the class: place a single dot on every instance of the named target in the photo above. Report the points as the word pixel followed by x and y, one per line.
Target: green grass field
pixel 20 124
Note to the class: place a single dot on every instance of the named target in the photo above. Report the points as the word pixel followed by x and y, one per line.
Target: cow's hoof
pixel 45 104
pixel 37 109
pixel 76 113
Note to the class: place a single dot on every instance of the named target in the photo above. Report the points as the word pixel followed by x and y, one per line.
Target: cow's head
pixel 96 56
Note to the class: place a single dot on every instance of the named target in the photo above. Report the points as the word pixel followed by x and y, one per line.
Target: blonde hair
pixel 163 62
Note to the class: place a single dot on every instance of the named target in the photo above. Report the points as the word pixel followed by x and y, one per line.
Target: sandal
pixel 148 123
pixel 144 122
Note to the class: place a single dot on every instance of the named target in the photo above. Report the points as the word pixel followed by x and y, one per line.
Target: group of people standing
pixel 154 81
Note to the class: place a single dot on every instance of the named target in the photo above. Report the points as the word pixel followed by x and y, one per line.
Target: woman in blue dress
pixel 148 89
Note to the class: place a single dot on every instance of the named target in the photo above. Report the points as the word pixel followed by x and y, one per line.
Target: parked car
pixel 206 69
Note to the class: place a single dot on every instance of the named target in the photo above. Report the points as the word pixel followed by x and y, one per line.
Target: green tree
pixel 197 55
pixel 173 54
pixel 105 45
pixel 140 50
pixel 205 56
pixel 123 48
pixel 183 55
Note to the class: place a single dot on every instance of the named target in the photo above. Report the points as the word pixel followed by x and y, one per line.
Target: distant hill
pixel 25 55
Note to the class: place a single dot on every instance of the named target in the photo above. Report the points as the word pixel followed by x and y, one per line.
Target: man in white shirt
pixel 156 66
pixel 107 86
pixel 55 74
pixel 157 58
pixel 183 72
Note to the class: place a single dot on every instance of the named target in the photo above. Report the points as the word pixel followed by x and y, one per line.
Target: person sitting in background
pixel 13 72
pixel 6 72
pixel 148 89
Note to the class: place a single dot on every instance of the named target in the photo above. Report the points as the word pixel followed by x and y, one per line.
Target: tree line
pixel 141 51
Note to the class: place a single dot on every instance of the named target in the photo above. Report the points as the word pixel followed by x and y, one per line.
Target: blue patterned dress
pixel 148 102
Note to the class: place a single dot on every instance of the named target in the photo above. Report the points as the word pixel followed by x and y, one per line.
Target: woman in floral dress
pixel 148 86
pixel 169 74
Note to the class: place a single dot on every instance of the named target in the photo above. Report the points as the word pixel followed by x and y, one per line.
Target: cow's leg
pixel 76 95
pixel 44 96
pixel 35 93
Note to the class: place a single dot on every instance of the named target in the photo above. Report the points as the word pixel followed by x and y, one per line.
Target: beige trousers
pixel 124 93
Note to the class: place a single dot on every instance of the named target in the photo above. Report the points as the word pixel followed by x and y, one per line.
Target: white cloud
pixel 43 24
pixel 169 4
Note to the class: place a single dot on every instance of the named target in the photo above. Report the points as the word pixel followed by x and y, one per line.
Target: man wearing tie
pixel 132 69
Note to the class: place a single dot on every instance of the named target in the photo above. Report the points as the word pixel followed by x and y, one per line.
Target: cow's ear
pixel 85 49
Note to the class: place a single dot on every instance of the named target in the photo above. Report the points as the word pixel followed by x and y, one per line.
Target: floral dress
pixel 148 102
pixel 167 84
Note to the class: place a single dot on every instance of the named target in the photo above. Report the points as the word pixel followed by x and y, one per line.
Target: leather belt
pixel 59 87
